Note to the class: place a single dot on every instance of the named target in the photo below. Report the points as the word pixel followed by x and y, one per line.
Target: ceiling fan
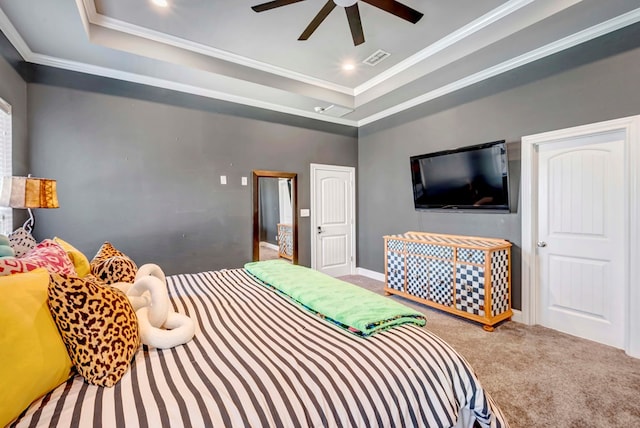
pixel 353 14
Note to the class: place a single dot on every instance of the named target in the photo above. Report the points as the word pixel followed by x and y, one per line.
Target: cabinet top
pixel 453 240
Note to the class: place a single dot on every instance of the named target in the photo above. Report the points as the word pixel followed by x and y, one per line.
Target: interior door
pixel 333 219
pixel 581 203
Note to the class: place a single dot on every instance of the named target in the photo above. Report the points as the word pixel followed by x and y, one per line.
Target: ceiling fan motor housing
pixel 345 3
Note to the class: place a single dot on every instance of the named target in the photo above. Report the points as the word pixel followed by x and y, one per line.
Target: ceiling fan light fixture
pixel 345 3
pixel 353 14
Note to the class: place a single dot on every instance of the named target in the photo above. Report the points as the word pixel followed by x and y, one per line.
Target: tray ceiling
pixel 225 50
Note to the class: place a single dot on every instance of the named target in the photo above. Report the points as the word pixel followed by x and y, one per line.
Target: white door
pixel 581 227
pixel 333 219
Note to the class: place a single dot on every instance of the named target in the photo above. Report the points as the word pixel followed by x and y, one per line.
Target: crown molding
pixel 575 39
pixel 89 14
pixel 13 36
pixel 445 42
pixel 95 18
pixel 590 33
pixel 180 87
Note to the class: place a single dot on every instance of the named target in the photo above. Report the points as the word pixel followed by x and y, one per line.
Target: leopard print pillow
pixel 111 265
pixel 98 326
pixel 21 241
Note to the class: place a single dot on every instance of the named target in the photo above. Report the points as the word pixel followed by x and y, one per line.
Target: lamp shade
pixel 28 192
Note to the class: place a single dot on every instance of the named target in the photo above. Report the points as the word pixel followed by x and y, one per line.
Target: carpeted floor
pixel 541 377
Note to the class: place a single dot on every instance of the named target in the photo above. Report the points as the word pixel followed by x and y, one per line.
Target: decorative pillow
pixel 112 265
pixel 21 241
pixel 98 326
pixel 5 247
pixel 34 359
pixel 79 260
pixel 46 254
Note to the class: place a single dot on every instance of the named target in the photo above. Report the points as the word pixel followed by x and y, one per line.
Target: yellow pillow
pixel 33 358
pixel 80 261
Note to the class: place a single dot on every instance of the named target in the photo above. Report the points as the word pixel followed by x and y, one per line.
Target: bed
pixel 259 360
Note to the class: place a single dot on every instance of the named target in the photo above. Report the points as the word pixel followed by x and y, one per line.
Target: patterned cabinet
pixel 440 274
pixel 285 241
pixel 417 276
pixel 395 264
pixel 463 275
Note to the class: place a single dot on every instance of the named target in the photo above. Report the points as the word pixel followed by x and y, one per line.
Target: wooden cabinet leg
pixel 386 293
pixel 488 328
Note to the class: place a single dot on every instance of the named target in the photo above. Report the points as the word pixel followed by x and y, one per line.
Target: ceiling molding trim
pixel 145 33
pixel 86 10
pixel 29 56
pixel 575 39
pixel 613 24
pixel 180 87
pixel 452 38
pixel 13 36
pixel 91 14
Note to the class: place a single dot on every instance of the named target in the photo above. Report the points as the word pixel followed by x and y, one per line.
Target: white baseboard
pixel 517 316
pixel 517 313
pixel 370 274
pixel 269 245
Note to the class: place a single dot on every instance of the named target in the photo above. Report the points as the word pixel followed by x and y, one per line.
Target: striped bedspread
pixel 257 360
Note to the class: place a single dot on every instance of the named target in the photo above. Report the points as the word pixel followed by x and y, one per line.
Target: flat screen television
pixel 469 178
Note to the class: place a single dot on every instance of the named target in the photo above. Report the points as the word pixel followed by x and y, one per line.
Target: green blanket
pixel 360 311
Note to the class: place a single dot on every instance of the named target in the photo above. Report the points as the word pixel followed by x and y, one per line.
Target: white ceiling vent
pixel 377 57
pixel 333 110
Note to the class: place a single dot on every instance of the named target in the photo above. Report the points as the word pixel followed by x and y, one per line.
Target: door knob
pixel 542 244
pixel 319 229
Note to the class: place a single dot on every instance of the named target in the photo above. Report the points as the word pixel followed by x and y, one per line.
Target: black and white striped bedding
pixel 258 360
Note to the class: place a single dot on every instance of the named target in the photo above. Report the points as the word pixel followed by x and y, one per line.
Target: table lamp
pixel 28 192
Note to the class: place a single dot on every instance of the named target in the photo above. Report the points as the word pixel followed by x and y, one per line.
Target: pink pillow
pixel 47 254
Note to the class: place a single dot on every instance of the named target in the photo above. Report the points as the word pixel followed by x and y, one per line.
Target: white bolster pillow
pixel 181 330
pixel 159 305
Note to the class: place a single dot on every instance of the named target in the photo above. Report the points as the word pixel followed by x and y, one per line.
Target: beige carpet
pixel 541 377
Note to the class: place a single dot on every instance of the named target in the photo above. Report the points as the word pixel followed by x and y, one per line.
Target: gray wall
pixel 594 91
pixel 14 91
pixel 140 166
pixel 145 174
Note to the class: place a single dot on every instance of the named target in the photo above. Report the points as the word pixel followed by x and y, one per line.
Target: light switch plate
pixel 304 212
pixel 244 181
pixel 223 179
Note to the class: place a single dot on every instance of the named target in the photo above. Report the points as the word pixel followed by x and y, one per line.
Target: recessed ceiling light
pixel 160 3
pixel 348 66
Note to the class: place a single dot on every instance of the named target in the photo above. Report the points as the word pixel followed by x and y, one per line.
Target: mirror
pixel 275 224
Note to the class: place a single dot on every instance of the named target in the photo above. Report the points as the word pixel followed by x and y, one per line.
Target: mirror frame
pixel 257 174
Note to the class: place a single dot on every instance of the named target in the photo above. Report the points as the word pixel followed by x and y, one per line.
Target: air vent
pixel 333 110
pixel 376 58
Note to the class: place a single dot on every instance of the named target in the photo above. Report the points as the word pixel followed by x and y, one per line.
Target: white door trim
pixel 630 126
pixel 314 167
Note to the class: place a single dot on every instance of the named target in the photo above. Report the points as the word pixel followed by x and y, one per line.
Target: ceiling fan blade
pixel 273 4
pixel 355 24
pixel 397 9
pixel 315 23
